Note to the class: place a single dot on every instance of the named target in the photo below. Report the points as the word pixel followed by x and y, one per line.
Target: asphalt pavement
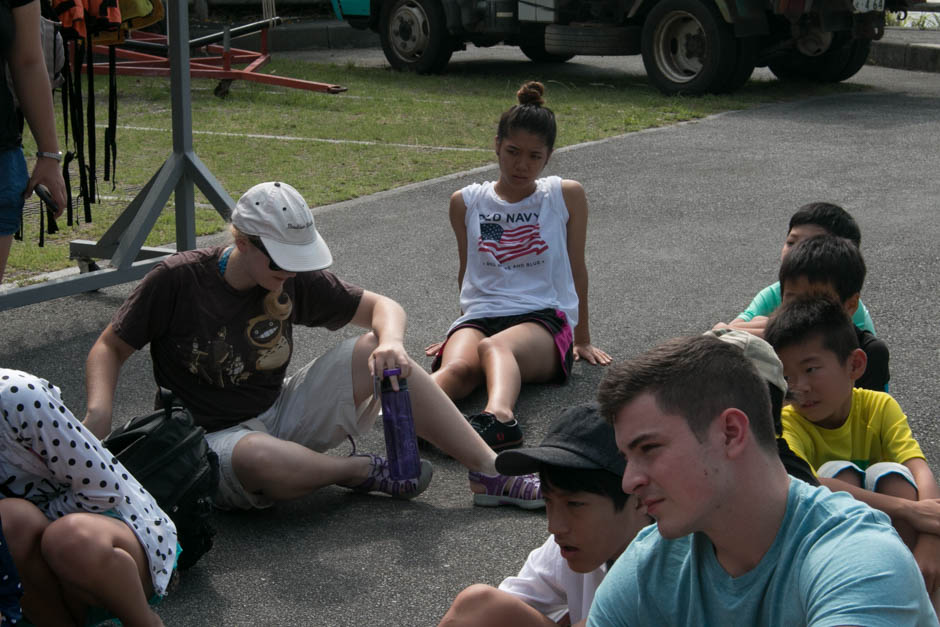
pixel 686 226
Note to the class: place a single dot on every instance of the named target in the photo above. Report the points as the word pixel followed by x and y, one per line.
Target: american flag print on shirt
pixel 508 244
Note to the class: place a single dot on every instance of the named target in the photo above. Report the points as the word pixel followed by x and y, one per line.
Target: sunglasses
pixel 256 242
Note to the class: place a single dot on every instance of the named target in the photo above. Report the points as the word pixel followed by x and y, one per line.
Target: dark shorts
pixel 554 320
pixel 13 180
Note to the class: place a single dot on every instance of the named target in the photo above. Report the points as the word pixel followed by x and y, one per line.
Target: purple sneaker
pixel 379 481
pixel 524 491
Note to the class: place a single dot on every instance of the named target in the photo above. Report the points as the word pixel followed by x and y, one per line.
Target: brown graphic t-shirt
pixel 225 352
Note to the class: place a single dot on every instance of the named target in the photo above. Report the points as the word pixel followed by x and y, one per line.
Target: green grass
pixel 456 110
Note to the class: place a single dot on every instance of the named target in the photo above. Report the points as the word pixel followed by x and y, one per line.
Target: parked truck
pixel 688 46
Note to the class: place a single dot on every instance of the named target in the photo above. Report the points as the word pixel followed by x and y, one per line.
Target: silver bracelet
pixel 50 155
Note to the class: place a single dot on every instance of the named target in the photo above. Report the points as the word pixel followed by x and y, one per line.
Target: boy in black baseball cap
pixel 590 518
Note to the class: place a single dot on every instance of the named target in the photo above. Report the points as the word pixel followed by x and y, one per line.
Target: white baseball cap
pixel 277 214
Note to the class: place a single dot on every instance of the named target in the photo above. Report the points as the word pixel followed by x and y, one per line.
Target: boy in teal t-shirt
pixel 826 266
pixel 816 218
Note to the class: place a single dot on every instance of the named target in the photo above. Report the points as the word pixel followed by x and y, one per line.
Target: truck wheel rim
pixel 409 31
pixel 679 47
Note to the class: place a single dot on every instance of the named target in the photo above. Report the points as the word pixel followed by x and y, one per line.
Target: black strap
pixel 166 400
pixel 68 184
pixel 46 219
pixel 92 139
pixel 66 88
pixel 78 129
pixel 52 225
pixel 110 133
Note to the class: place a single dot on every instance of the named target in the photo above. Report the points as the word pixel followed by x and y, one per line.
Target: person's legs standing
pixel 13 180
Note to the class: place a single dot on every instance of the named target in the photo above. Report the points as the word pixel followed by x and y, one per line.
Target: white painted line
pixel 129 199
pixel 223 235
pixel 292 138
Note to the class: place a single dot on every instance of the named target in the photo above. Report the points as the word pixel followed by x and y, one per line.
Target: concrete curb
pixel 918 57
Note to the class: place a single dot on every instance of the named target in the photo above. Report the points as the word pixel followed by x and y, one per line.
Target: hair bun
pixel 531 94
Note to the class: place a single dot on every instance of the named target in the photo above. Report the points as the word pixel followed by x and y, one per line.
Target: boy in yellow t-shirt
pixel 856 440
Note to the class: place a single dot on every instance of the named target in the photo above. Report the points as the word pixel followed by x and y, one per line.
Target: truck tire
pixel 688 48
pixel 414 35
pixel 791 65
pixel 844 58
pixel 532 45
pixel 563 39
pixel 857 57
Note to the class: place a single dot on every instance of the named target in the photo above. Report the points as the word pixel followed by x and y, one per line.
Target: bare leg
pixel 283 470
pixel 896 485
pixel 460 372
pixel 43 600
pixel 850 476
pixel 436 417
pixel 6 241
pixel 524 353
pixel 99 559
pixel 484 605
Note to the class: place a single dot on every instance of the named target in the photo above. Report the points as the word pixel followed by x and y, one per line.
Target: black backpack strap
pixel 166 400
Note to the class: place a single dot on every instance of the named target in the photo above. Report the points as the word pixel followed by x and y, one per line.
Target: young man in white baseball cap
pixel 219 325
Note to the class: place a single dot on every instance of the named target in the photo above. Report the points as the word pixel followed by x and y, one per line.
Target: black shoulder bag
pixel 169 456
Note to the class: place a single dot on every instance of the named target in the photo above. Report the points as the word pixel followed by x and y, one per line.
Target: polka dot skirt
pixel 50 459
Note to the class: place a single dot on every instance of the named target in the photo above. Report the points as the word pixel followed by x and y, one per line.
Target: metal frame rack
pixel 123 241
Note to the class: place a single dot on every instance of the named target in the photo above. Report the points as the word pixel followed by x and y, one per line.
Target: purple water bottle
pixel 400 441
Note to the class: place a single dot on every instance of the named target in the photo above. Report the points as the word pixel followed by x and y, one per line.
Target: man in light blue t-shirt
pixel 737 541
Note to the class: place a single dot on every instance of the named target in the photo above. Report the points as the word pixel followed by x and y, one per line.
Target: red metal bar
pixel 214 67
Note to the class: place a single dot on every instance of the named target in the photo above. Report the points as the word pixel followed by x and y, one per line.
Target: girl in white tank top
pixel 523 280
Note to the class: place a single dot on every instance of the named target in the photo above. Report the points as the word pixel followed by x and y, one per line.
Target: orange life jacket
pixel 83 17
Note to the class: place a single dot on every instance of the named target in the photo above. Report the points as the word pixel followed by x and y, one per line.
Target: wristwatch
pixel 50 155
